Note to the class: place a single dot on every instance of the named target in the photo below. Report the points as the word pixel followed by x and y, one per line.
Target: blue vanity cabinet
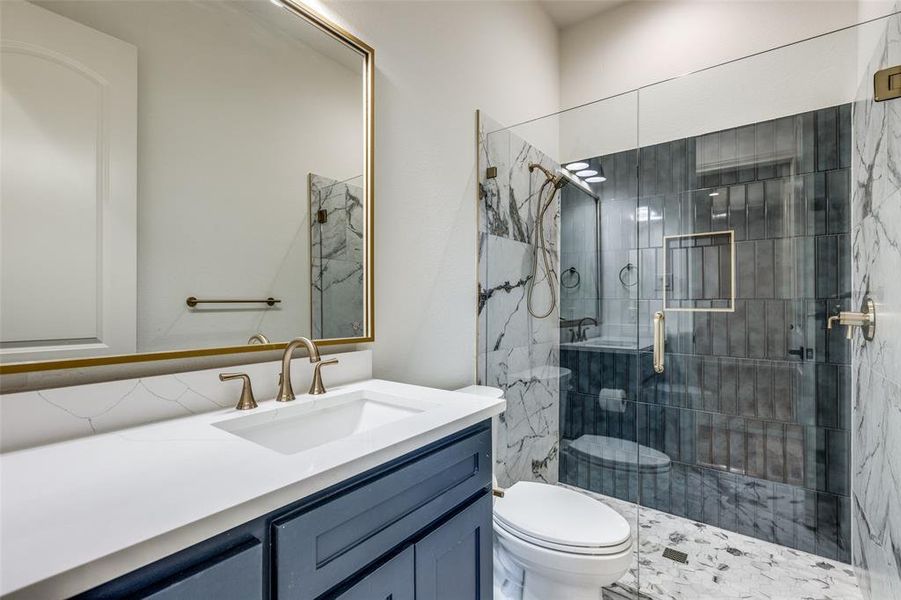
pixel 416 528
pixel 455 560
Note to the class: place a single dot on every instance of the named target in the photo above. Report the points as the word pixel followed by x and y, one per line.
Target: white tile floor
pixel 722 565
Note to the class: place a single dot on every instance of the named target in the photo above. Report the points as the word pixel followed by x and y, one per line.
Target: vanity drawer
pixel 325 544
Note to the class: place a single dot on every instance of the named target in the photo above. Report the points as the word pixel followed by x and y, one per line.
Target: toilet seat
pixel 560 519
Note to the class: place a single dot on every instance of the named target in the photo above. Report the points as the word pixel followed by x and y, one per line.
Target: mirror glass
pixel 178 175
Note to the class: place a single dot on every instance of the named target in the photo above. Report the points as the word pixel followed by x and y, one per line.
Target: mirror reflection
pixel 158 152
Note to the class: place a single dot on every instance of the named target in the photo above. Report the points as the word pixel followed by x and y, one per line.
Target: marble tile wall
pixel 337 258
pixel 876 264
pixel 516 351
pixel 753 410
pixel 57 414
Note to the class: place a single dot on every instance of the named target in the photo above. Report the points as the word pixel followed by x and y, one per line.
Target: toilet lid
pixel 560 517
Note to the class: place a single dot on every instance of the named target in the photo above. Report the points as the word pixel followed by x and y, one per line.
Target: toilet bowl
pixel 568 545
pixel 553 543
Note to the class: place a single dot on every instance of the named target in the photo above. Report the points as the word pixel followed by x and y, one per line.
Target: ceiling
pixel 569 12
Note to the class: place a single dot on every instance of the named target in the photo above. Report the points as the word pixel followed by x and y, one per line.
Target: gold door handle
pixel 658 341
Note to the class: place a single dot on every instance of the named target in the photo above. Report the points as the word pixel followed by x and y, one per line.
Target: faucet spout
pixel 285 391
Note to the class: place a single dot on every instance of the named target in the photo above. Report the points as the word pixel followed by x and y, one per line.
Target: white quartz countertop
pixel 76 514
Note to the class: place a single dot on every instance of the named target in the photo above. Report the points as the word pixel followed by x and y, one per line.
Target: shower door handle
pixel 658 341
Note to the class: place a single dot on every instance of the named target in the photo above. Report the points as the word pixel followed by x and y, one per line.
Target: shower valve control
pixel 865 319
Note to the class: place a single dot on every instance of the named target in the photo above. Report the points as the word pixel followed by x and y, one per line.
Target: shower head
pixel 561 178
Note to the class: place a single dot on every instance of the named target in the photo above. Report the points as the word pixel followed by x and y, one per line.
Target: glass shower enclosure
pixel 716 206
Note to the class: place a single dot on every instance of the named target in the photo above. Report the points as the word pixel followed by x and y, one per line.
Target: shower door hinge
pixel 491 172
pixel 322 216
pixel 887 84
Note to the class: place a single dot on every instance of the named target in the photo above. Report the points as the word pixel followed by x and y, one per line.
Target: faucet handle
pixel 316 386
pixel 247 400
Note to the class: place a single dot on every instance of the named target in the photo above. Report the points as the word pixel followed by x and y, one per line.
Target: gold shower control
pixel 865 319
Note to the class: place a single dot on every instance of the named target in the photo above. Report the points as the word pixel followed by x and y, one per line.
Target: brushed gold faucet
pixel 285 391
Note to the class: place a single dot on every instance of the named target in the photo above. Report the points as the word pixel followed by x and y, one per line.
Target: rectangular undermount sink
pixel 302 425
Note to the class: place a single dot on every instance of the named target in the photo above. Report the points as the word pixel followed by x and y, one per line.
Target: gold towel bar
pixel 192 301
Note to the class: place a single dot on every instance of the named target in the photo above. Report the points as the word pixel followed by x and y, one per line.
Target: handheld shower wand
pixel 556 182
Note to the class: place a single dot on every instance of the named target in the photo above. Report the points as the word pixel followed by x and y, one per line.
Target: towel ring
pixel 571 271
pixel 628 267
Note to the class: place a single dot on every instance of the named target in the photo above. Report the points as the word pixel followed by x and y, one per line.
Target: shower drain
pixel 676 555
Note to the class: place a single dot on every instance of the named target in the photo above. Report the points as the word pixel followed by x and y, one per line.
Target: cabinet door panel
pixel 454 562
pixel 391 581
pixel 236 576
pixel 322 546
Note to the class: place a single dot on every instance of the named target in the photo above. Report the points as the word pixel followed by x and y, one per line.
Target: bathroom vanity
pixel 373 490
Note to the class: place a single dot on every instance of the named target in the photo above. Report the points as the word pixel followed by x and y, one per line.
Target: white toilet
pixel 563 544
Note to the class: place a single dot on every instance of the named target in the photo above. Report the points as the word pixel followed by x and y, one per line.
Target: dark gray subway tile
pixel 712 284
pixel 838 459
pixel 710 384
pixel 838 201
pixel 701 205
pixel 844 529
pixel 795 207
pixel 844 397
pixel 844 136
pixel 747 150
pixel 815 458
pixel 784 268
pixel 695 289
pixel 766 149
pixel 794 455
pixel 746 268
pixel 827 139
pixel 707 157
pixel 782 392
pixel 719 323
pixel 764 390
pixel 679 166
pixel 816 203
pixel 641 219
pixel 738 214
pixel 701 333
pixel 704 436
pixel 806 139
pixel 746 500
pixel 774 199
pixel 647 167
pixel 747 394
pixel 827 266
pixel 626 171
pixel 737 451
pixel 729 386
pixel 655 221
pixel 827 395
pixel 664 168
pixel 843 268
pixel 737 330
pixel 775 452
pixel 720 442
pixel 764 263
pixel 688 436
pixel 756 327
pixel 786 146
pixel 776 330
pixel 728 158
pixel 719 209
pixel 756 211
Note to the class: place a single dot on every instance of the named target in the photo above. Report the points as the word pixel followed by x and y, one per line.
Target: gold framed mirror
pixel 159 205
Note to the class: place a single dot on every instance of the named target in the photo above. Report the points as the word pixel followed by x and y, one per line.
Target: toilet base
pixel 542 588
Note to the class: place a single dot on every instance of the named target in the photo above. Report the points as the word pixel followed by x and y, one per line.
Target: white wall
pixel 643 42
pixel 437 62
